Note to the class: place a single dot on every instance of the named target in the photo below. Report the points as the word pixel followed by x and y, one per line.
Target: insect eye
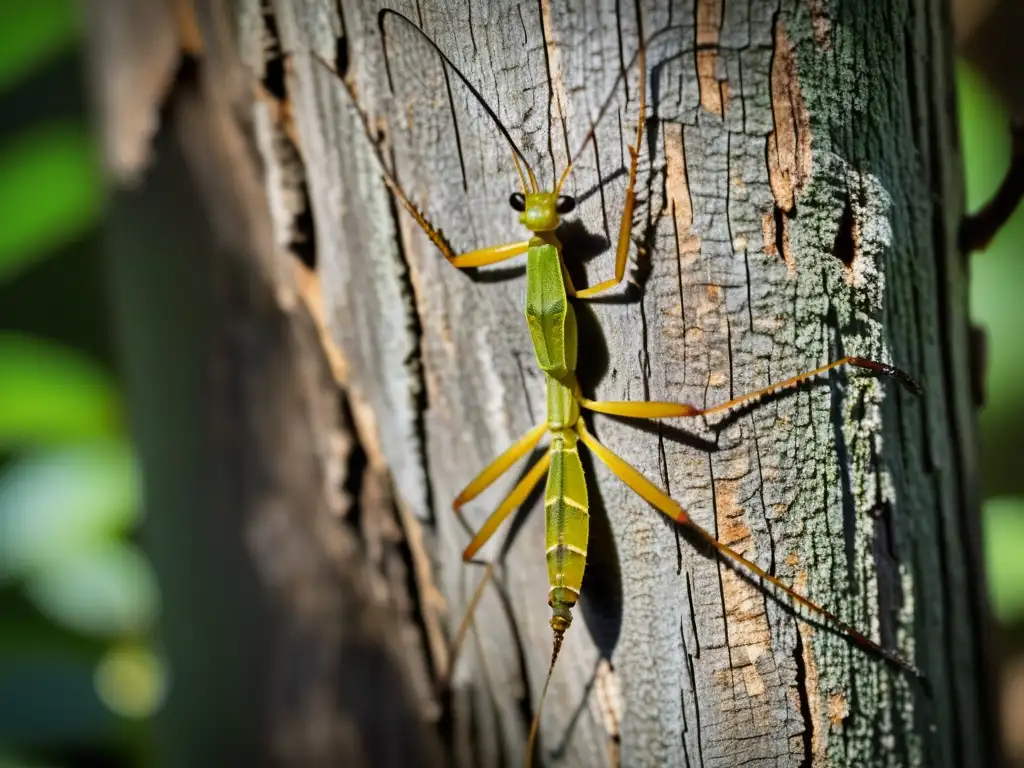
pixel 518 201
pixel 565 204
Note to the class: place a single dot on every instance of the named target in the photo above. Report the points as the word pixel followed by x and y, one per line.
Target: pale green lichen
pixel 848 301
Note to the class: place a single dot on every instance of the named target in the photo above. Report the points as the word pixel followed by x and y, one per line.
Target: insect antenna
pixel 535 726
pixel 641 57
pixel 565 143
pixel 517 153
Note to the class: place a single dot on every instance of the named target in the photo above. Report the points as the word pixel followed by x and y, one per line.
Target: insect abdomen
pixel 568 526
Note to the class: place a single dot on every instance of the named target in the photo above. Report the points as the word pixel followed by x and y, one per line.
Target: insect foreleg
pixel 490 255
pixel 625 230
pixel 476 258
pixel 626 223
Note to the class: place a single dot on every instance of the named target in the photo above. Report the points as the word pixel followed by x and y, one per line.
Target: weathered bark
pixel 797 200
pixel 286 616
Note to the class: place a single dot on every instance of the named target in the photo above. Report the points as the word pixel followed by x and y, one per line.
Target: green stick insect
pixel 552 324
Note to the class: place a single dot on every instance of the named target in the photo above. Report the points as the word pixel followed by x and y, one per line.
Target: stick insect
pixel 552 325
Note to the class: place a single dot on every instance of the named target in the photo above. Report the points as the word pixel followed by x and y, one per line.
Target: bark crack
pixel 804 702
pixel 413 362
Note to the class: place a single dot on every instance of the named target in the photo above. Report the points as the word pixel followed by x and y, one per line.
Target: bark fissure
pixel 413 363
pixel 807 737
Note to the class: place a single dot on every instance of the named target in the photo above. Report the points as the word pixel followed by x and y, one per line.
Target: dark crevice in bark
pixel 750 289
pixel 414 360
pixel 764 505
pixel 469 27
pixel 644 353
pixel 302 244
pixel 273 62
pixel 679 286
pixel 341 56
pixel 845 248
pixel 805 703
pixel 779 216
pixel 844 462
pixel 605 226
pixel 729 358
pixel 301 230
pixel 355 471
pixel 692 609
pixel 696 707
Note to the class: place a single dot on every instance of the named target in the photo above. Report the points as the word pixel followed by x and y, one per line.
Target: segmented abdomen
pixel 567 519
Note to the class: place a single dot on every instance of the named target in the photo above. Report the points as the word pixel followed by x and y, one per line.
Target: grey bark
pixel 797 201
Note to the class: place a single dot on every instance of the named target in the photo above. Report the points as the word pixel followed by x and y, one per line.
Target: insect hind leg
pixel 673 510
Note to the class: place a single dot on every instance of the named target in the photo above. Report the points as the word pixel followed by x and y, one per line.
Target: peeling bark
pixel 796 202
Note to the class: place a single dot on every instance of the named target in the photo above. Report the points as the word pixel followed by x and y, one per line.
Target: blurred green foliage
pixel 35 377
pixel 997 276
pixel 33 34
pixel 51 183
pixel 78 599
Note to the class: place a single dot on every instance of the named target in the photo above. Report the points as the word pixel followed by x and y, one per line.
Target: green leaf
pixel 49 192
pixel 58 504
pixel 51 394
pixel 31 34
pixel 1003 528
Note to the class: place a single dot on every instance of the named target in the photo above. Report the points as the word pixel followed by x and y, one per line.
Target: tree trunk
pixel 798 198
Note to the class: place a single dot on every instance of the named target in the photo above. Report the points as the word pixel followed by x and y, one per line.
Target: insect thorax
pixel 551 319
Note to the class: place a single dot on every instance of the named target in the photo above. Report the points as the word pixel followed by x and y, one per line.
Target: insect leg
pixel 473 258
pixel 515 498
pixel 500 465
pixel 794 381
pixel 666 410
pixel 626 223
pixel 477 258
pixel 490 255
pixel 669 507
pixel 639 409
